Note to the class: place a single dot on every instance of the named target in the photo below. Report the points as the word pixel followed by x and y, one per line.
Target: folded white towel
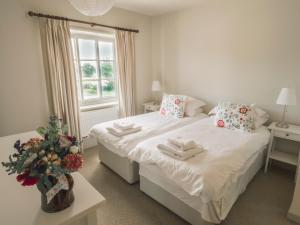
pixel 123 125
pixel 182 144
pixel 181 155
pixel 120 133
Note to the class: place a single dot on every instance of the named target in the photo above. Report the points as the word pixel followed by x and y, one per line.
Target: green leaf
pixel 41 130
pixel 47 182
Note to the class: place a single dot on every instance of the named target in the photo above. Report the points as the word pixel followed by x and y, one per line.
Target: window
pixel 95 65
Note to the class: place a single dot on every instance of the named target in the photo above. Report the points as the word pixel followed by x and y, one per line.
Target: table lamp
pixel 156 88
pixel 287 96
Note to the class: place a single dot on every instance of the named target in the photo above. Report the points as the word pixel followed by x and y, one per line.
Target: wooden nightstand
pixel 291 133
pixel 151 107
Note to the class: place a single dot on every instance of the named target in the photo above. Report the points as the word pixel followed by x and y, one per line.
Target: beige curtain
pixel 60 75
pixel 126 62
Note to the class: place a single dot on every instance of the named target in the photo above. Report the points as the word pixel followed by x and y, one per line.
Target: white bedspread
pixel 152 124
pixel 208 174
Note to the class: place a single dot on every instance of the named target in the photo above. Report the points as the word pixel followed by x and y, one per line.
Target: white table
pixel 292 133
pixel 21 205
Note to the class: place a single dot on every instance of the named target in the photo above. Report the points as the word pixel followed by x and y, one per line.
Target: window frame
pixel 97 37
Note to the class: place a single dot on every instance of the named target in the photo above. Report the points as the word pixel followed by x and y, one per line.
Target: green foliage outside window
pixel 109 86
pixel 88 70
pixel 91 89
pixel 106 70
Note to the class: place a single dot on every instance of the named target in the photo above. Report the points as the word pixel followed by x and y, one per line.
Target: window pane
pixel 87 49
pixel 89 69
pixel 106 50
pixel 108 88
pixel 106 69
pixel 90 89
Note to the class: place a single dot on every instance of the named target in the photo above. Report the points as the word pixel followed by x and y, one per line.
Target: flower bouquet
pixel 48 162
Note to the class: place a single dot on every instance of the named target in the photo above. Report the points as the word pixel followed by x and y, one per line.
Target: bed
pixel 113 151
pixel 203 189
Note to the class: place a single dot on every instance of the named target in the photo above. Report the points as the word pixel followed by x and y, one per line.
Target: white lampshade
pixel 92 7
pixel 287 96
pixel 156 85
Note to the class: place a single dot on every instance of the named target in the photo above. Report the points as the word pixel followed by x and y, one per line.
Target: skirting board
pixel 128 170
pixel 171 202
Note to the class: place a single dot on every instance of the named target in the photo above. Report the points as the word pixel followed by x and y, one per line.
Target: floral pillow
pixel 173 105
pixel 235 116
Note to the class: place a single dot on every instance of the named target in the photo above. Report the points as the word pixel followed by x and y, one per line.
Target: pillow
pixel 213 111
pixel 173 105
pixel 235 116
pixel 192 105
pixel 259 121
pixel 260 116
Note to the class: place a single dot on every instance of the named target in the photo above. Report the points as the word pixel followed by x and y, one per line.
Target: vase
pixel 62 200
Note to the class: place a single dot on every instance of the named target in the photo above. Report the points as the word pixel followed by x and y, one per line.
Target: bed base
pixel 128 170
pixel 183 210
pixel 171 202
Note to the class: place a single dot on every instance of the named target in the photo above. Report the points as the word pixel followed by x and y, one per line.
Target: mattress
pixel 212 211
pixel 152 124
pixel 208 174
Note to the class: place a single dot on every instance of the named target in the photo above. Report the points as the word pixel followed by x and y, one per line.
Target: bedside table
pixel 291 133
pixel 151 107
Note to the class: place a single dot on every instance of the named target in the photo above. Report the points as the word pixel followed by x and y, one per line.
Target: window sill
pixel 98 106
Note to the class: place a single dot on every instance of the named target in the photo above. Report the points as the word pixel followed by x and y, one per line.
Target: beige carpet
pixel 265 202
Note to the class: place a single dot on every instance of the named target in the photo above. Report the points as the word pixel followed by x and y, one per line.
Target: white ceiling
pixel 155 7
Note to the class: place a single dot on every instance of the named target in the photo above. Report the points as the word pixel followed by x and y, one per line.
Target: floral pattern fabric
pixel 173 105
pixel 235 116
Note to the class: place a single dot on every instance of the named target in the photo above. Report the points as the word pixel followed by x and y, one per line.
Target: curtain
pixel 126 61
pixel 60 73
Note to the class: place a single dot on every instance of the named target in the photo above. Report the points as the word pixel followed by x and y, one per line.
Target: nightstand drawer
pixel 287 135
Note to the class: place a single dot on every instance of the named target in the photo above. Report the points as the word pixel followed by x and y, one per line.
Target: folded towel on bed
pixel 177 154
pixel 182 144
pixel 123 125
pixel 120 133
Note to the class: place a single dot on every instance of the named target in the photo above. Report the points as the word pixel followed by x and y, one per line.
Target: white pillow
pixel 261 116
pixel 213 111
pixel 192 106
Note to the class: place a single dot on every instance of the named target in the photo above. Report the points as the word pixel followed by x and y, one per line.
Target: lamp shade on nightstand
pixel 287 96
pixel 156 85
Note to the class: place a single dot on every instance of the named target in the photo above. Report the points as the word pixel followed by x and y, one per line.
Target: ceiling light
pixel 92 7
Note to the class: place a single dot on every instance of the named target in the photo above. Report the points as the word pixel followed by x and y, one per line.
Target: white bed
pixel 113 151
pixel 202 189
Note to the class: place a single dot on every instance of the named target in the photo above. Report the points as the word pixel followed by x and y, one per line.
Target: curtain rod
pixel 30 13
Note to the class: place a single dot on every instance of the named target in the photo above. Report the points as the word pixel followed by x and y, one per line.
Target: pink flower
pixel 221 123
pixel 163 112
pixel 177 101
pixel 243 110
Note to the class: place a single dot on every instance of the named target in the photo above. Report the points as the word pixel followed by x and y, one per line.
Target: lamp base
pixel 282 124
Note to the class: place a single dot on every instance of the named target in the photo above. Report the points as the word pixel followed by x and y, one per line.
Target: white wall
pixel 235 50
pixel 23 102
pixel 90 118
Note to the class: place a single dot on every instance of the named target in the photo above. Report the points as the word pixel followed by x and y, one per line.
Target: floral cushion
pixel 173 105
pixel 235 116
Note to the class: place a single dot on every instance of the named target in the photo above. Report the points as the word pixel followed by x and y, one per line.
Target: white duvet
pixel 152 124
pixel 208 174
